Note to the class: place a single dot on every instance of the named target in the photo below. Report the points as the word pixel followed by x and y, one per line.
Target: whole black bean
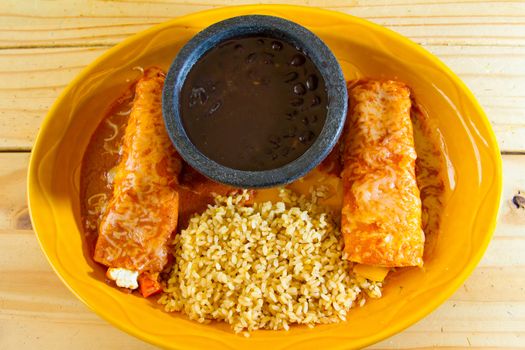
pixel 305 120
pixel 316 100
pixel 304 108
pixel 215 107
pixel 290 76
pixel 198 95
pixel 299 89
pixel 306 137
pixel 251 57
pixel 267 58
pixel 275 141
pixel 297 60
pixel 312 82
pixel 310 136
pixel 277 46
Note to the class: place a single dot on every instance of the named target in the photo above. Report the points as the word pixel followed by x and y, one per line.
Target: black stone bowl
pixel 279 29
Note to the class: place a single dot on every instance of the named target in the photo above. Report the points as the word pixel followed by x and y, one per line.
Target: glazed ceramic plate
pixel 363 49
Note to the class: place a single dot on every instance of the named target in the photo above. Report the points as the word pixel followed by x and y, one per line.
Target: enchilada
pixel 381 214
pixel 143 210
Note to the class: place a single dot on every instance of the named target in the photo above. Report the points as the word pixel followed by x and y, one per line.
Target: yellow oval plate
pixel 363 49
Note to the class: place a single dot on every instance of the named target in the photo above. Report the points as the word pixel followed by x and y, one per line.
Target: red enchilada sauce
pixel 253 103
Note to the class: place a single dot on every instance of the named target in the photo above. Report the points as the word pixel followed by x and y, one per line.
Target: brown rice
pixel 264 266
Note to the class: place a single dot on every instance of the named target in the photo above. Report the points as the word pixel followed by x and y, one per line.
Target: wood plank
pixel 14 214
pixel 483 42
pixel 32 79
pixel 26 333
pixel 78 22
pixel 37 310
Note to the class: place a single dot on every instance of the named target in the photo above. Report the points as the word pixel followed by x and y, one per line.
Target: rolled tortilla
pixel 381 215
pixel 143 211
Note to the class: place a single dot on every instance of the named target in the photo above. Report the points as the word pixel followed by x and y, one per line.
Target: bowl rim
pixel 32 179
pixel 279 29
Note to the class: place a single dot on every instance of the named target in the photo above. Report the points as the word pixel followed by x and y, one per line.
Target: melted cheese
pixel 381 215
pixel 143 210
pixel 330 183
pixel 372 273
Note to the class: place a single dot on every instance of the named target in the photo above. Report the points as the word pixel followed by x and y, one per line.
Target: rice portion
pixel 264 266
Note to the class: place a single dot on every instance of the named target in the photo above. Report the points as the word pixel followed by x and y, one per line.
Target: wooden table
pixel 44 44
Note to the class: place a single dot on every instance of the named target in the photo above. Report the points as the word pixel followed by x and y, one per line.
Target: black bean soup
pixel 253 103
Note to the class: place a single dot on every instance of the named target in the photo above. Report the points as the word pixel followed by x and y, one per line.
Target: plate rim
pixel 32 177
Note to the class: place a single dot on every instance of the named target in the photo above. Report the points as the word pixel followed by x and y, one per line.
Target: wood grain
pixel 36 308
pixel 44 45
pixel 56 23
pixel 13 206
pixel 30 81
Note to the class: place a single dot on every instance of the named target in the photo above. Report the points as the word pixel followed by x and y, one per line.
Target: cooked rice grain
pixel 263 266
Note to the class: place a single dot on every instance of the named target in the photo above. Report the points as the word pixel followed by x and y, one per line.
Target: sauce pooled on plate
pixel 253 103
